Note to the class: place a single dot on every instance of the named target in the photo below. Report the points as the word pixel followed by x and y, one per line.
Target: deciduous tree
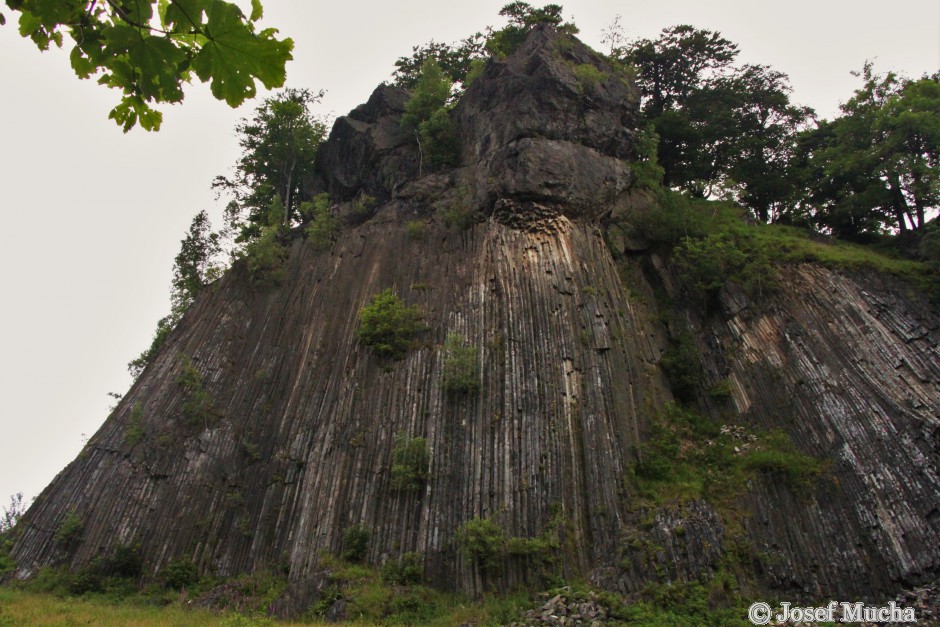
pixel 148 49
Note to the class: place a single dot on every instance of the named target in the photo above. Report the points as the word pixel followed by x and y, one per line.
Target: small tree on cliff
pixel 279 146
pixel 426 115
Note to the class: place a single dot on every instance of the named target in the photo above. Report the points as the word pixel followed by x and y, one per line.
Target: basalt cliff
pixel 564 309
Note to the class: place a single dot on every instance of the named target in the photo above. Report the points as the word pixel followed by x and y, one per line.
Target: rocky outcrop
pixel 553 88
pixel 264 428
pixel 368 151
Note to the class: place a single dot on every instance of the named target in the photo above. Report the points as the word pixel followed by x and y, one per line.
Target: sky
pixel 93 217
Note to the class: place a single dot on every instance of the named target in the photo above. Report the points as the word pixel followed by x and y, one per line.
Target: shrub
pixel 588 76
pixel 439 144
pixel 197 402
pixel 179 573
pixel 355 543
pixel 408 569
pixel 387 325
pixel 461 366
pixel 416 229
pixel 323 226
pixel 682 366
pixel 265 258
pixel 69 531
pixel 457 214
pixel 363 206
pixel 135 427
pixel 124 562
pixel 482 540
pixel 410 461
pixel 164 327
pixel 778 456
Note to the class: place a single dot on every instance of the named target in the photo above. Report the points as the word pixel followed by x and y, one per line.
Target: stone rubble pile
pixel 562 610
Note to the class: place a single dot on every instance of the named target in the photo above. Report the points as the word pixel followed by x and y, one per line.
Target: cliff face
pixel 294 443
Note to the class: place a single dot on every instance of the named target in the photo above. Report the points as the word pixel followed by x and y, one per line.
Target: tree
pixel 426 115
pixel 455 61
pixel 458 61
pixel 722 130
pixel 279 146
pixel 148 49
pixel 877 166
pixel 196 264
pixel 522 18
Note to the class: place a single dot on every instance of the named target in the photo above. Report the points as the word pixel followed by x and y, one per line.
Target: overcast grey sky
pixel 92 218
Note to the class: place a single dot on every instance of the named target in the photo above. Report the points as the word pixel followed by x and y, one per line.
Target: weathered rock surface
pixel 848 366
pixel 368 151
pixel 537 92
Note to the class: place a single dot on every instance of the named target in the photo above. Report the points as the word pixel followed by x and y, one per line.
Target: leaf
pixel 257 11
pixel 185 16
pixel 153 62
pixel 83 66
pixel 234 56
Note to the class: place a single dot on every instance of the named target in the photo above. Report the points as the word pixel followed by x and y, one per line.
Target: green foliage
pixel 482 540
pixel 430 94
pixel 363 206
pixel 179 574
pixel 588 76
pixel 681 363
pixel 457 211
pixel 164 327
pixel 416 229
pixel 675 217
pixel 721 129
pixel 689 604
pixel 646 169
pixel 461 366
pixel 522 18
pixel 689 456
pixel 198 405
pixel 439 142
pixel 404 571
pixel 68 533
pixel 149 49
pixel 135 426
pixel 459 62
pixel 387 325
pixel 196 265
pixel 323 226
pixel 12 514
pixel 279 146
pixel 779 457
pixel 355 543
pixel 427 116
pixel 265 255
pixel 877 166
pixel 410 461
pixel 111 573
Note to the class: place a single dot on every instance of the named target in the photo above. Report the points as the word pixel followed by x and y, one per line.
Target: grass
pixel 717 232
pixel 21 607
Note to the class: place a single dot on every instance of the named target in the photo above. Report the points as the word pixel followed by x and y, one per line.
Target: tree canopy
pixel 877 165
pixel 279 146
pixel 458 60
pixel 149 49
pixel 723 130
